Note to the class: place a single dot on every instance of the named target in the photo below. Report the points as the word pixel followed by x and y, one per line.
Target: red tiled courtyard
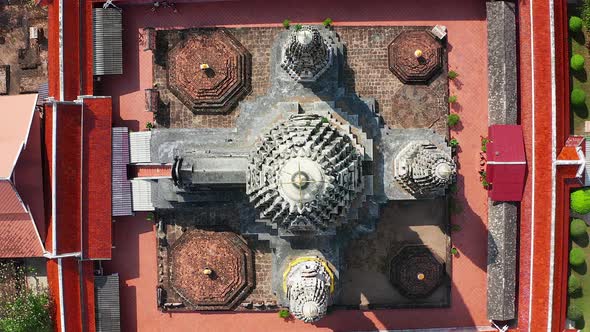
pixel 134 256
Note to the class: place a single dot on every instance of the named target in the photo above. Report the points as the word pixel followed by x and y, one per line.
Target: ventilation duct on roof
pixel 107 41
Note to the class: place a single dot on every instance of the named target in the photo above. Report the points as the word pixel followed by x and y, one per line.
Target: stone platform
pixel 400 105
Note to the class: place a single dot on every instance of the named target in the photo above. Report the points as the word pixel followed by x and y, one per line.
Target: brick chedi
pixel 209 72
pixel 211 270
pixel 309 286
pixel 415 57
pixel 416 272
pixel 307 54
pixel 424 170
pixel 304 174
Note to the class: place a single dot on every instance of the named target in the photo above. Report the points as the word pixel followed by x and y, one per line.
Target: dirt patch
pixel 26 57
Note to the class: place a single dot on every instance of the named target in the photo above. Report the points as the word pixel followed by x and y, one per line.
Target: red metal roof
pixel 506 163
pixel 18 235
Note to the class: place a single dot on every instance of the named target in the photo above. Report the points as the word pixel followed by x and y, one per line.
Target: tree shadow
pixel 578 293
pixel 457 127
pixel 580 323
pixel 162 115
pixel 580 75
pixel 581 269
pixel 457 83
pixel 456 106
pixel 579 37
pixel 581 111
pixel 582 240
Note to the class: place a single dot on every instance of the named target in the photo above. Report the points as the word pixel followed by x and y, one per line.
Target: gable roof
pixel 16 115
pixel 506 163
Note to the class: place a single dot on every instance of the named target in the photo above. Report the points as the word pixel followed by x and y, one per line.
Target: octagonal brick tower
pixel 307 54
pixel 304 175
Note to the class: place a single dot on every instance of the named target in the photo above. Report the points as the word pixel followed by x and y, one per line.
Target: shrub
pixel 453 120
pixel 575 24
pixel 577 228
pixel 149 126
pixel 453 142
pixel 30 312
pixel 284 313
pixel 577 62
pixel 298 27
pixel 22 308
pixel 484 144
pixel 327 22
pixel 573 285
pixel 577 257
pixel 452 99
pixel 483 177
pixel 574 312
pixel 452 74
pixel 286 23
pixel 578 97
pixel 580 201
pixel 454 251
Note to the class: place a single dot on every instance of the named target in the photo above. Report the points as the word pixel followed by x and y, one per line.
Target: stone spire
pixel 304 174
pixel 423 169
pixel 307 54
pixel 309 285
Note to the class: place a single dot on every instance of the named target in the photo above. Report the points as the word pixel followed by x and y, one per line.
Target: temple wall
pixel 503 110
pixel 502 75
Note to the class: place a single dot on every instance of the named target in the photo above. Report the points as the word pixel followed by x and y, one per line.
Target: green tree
pixel 578 228
pixel 577 257
pixel 575 24
pixel 22 309
pixel 574 312
pixel 573 285
pixel 578 97
pixel 580 201
pixel 453 120
pixel 577 62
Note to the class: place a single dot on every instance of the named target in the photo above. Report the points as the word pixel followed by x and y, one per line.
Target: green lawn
pixel 580 80
pixel 583 301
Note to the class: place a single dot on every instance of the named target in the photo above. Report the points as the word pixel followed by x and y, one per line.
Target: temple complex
pixel 345 175
pixel 306 176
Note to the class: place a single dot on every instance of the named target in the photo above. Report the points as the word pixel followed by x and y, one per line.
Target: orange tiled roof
pixel 18 235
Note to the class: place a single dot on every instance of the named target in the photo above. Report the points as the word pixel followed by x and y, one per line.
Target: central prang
pixel 301 180
pixel 304 174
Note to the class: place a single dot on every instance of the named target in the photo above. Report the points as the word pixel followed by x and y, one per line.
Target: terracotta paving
pixel 134 257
